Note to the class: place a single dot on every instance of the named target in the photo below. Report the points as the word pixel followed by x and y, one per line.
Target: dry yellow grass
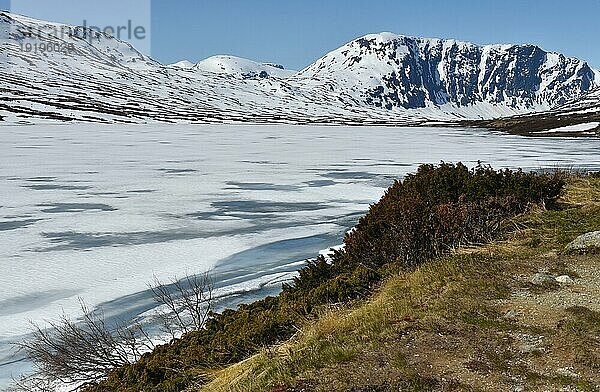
pixel 583 191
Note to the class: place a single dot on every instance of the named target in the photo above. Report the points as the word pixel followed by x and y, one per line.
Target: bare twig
pixel 186 303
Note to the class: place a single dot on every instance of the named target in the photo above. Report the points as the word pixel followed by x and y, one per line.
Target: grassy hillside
pixel 472 320
pixel 397 306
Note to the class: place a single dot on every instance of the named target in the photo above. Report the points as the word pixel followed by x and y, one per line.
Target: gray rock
pixel 588 242
pixel 564 279
pixel 541 277
pixel 567 372
pixel 512 314
pixel 528 344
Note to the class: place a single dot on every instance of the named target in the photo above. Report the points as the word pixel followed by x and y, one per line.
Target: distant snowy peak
pixel 241 67
pixel 397 71
pixel 183 64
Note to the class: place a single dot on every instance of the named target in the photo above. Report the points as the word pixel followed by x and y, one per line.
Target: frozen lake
pixel 94 211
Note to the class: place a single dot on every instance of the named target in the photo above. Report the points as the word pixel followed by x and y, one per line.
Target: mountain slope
pixel 103 79
pixel 579 117
pixel 396 71
pixel 377 79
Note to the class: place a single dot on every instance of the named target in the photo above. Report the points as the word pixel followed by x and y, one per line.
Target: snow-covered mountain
pixel 236 66
pixel 395 71
pixel 381 78
pixel 93 77
pixel 587 104
pixel 241 67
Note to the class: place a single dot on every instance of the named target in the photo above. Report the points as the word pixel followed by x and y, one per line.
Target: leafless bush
pixel 186 303
pixel 83 352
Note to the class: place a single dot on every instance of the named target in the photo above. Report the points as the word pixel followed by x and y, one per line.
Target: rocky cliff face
pixel 395 71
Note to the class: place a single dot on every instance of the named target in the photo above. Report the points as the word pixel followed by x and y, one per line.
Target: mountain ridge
pixel 375 79
pixel 417 72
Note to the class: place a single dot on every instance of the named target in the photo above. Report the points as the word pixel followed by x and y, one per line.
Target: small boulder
pixel 564 279
pixel 541 277
pixel 585 243
pixel 567 372
pixel 512 315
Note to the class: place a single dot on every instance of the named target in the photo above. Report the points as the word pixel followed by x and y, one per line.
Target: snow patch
pixel 574 128
pixel 185 64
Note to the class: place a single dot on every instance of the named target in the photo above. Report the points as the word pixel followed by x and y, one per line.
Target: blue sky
pixel 297 32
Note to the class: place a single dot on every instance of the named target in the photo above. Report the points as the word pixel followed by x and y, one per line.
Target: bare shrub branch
pixel 84 351
pixel 31 384
pixel 80 353
pixel 186 303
